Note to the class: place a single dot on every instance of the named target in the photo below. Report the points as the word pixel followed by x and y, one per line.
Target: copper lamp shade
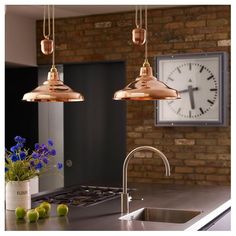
pixel 146 87
pixel 53 90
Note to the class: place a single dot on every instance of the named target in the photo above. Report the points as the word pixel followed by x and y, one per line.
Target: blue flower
pixel 23 140
pixel 14 158
pixel 50 142
pixel 45 160
pixel 39 166
pixel 17 139
pixel 35 155
pixel 53 152
pixel 59 165
pixel 22 155
pixel 36 146
pixel 6 169
pixel 19 145
pixel 13 148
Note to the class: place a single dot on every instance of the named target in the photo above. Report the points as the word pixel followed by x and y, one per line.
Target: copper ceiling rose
pixel 53 90
pixel 146 86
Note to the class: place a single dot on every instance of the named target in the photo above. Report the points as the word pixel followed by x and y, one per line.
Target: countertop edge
pixel 212 215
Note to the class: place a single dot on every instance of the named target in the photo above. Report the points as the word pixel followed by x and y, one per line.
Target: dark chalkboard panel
pixel 21 118
pixel 95 130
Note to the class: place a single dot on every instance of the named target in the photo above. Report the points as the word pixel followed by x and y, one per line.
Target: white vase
pixel 34 185
pixel 18 195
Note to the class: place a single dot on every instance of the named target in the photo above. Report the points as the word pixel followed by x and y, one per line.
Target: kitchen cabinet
pixel 95 130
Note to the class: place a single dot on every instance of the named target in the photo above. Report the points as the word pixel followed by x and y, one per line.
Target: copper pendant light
pixel 53 90
pixel 146 86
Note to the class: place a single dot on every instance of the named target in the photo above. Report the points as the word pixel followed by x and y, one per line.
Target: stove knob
pixel 68 163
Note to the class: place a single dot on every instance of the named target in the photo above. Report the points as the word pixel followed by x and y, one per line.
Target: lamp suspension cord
pixel 146 27
pixel 44 22
pixel 136 16
pixel 140 16
pixel 140 24
pixel 53 36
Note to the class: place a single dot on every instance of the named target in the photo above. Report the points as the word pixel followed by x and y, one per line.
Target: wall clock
pixel 202 82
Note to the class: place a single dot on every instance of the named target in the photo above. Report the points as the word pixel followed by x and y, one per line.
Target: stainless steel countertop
pixel 212 200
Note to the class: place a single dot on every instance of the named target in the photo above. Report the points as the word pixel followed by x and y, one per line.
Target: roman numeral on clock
pixel 179 69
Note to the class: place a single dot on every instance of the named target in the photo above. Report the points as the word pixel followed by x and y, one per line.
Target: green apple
pixel 32 215
pixel 47 207
pixel 41 211
pixel 20 212
pixel 62 210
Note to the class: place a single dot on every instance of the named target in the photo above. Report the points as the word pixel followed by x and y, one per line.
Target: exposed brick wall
pixel 197 155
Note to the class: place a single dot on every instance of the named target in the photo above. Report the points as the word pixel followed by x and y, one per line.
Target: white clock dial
pixel 198 88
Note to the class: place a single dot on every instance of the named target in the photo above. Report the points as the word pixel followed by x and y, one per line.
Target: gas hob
pixel 79 196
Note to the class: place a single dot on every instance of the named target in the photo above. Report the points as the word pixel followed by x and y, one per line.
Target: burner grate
pixel 80 196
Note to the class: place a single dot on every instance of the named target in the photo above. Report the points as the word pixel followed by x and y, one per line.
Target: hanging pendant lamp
pixel 146 86
pixel 53 90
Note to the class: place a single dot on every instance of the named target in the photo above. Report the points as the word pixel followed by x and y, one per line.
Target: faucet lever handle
pixel 136 199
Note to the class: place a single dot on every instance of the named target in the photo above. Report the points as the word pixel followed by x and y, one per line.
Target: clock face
pixel 199 92
pixel 197 81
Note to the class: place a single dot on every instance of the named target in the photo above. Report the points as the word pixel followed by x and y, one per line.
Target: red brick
pixel 217 36
pixel 196 37
pixel 180 169
pixel 174 25
pixel 194 162
pixel 217 22
pixel 197 23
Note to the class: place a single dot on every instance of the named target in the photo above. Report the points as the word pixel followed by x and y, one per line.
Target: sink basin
pixel 161 215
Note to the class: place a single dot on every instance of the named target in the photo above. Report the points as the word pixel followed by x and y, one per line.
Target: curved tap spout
pixel 125 195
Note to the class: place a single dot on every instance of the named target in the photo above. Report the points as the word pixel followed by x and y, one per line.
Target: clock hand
pixel 190 90
pixel 187 90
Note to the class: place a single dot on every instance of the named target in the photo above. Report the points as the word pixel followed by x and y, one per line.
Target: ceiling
pixel 36 11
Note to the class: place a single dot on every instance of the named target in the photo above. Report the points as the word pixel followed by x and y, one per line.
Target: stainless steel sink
pixel 161 215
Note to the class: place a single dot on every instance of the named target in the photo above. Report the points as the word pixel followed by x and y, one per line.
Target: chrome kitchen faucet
pixel 124 194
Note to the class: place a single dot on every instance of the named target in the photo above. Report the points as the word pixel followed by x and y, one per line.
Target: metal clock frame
pixel 223 90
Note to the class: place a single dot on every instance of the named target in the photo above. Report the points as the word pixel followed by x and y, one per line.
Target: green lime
pixel 32 215
pixel 47 207
pixel 41 211
pixel 20 212
pixel 62 210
